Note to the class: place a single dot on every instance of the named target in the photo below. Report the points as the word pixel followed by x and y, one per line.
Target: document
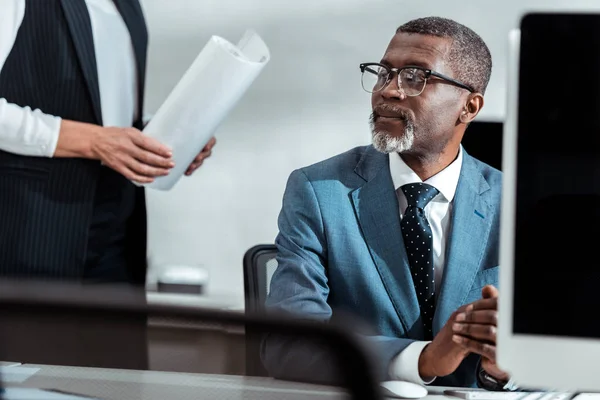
pixel 38 394
pixel 16 374
pixel 208 91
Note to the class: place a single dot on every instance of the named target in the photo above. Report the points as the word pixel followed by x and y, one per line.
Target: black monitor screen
pixel 557 238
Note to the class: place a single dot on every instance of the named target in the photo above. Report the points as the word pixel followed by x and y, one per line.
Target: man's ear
pixel 472 106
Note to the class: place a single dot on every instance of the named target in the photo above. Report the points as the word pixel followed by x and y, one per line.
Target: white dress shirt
pixel 438 211
pixel 33 133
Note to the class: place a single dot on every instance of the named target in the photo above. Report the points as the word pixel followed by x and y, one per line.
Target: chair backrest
pixel 260 264
pixel 483 140
pixel 96 320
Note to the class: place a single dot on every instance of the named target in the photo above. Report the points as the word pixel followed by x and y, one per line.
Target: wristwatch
pixel 488 382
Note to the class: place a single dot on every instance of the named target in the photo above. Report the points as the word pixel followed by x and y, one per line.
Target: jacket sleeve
pixel 300 287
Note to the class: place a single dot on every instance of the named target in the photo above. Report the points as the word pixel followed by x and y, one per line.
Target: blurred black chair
pixel 260 264
pixel 483 140
pixel 97 338
pixel 88 307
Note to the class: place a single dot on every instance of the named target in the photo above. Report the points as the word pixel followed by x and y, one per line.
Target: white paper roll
pixel 205 95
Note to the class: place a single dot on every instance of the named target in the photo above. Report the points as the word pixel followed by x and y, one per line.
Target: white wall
pixel 306 106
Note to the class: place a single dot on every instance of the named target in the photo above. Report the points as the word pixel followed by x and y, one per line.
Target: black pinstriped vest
pixel 57 215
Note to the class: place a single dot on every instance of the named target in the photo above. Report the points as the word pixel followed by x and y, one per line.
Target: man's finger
pixel 481 332
pixel 485 304
pixel 489 291
pixel 483 349
pixel 489 317
pixel 481 304
pixel 462 309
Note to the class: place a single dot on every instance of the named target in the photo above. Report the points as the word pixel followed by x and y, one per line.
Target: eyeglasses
pixel 411 79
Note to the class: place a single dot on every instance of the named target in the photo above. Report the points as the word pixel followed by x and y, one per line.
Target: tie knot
pixel 419 194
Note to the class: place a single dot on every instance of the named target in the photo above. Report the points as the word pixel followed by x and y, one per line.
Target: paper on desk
pixel 16 374
pixel 205 95
pixel 37 394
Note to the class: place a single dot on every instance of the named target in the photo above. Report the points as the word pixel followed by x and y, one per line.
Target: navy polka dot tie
pixel 416 233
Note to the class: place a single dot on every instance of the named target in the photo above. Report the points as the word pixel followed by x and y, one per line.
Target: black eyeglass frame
pixel 428 74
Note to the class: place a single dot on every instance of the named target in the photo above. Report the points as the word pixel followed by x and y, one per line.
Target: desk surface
pixel 149 385
pixel 113 384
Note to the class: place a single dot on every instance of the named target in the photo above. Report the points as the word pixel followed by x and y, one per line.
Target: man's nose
pixel 393 91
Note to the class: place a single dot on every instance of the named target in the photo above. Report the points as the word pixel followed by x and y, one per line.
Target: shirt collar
pixel 445 181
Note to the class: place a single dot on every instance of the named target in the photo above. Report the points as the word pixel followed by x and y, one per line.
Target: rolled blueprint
pixel 208 91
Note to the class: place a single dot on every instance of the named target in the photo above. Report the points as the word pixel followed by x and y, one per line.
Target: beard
pixel 384 141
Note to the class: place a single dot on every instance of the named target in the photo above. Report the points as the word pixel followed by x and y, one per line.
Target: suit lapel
pixel 133 17
pixel 376 207
pixel 80 26
pixel 472 217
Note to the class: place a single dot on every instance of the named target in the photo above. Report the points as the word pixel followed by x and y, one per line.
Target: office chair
pixel 259 265
pixel 98 339
pixel 483 140
pixel 91 306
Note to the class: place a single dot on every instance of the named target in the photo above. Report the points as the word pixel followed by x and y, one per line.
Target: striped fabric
pixel 47 205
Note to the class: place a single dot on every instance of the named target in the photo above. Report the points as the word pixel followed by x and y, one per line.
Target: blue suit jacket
pixel 340 248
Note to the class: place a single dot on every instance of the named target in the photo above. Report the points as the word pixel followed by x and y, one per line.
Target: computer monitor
pixel 549 311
